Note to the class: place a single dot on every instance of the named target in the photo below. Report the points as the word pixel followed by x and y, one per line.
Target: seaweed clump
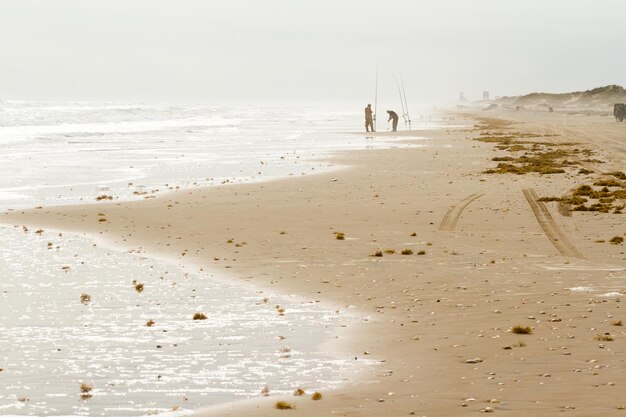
pixel 284 405
pixel 522 329
pixel 200 316
pixel 541 162
pixel 582 197
pixel 606 337
pixel 607 199
pixel 85 390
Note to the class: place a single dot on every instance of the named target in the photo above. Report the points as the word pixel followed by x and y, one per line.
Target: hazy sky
pixel 318 51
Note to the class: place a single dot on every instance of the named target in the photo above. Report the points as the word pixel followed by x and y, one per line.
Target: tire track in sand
pixel 548 225
pixel 452 216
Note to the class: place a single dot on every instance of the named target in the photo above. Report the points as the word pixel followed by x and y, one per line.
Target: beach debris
pixel 378 254
pixel 150 323
pixel 104 197
pixel 390 251
pixel 284 405
pixel 85 390
pixel 85 298
pixel 200 316
pixel 138 286
pixel 422 252
pixel 473 360
pixel 298 392
pixel 316 396
pixel 39 232
pixel 606 337
pixel 607 199
pixel 65 268
pixel 617 323
pixel 265 391
pixel 23 399
pixel 413 234
pixel 519 329
pixel 487 410
pixel 616 240
pixel 339 235
pixel 407 251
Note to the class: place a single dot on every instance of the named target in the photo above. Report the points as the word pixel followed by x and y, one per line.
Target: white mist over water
pixel 50 342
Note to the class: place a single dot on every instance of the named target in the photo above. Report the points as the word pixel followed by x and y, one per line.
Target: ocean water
pixel 51 342
pixel 64 153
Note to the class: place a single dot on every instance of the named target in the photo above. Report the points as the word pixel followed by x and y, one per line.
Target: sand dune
pixel 601 98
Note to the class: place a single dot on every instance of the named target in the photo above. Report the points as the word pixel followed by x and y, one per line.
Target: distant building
pixel 462 97
pixel 485 95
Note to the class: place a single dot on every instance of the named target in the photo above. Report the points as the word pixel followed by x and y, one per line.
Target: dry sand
pixel 438 323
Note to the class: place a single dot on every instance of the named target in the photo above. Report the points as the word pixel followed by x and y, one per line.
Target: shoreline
pixel 430 314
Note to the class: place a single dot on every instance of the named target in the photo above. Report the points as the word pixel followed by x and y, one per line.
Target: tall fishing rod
pixel 406 105
pixel 375 99
pixel 401 101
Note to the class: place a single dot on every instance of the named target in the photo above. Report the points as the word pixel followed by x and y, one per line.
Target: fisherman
pixel 393 116
pixel 369 119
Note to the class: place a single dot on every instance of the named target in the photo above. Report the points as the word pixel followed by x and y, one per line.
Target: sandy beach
pixel 481 255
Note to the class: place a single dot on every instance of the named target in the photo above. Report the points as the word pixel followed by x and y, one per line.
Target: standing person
pixel 393 116
pixel 369 119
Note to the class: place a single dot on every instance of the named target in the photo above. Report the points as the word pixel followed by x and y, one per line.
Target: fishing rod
pixel 375 99
pixel 406 105
pixel 401 102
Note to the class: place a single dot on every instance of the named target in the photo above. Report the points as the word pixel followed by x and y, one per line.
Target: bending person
pixel 393 116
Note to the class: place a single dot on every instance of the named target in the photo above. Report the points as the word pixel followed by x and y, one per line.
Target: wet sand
pixel 439 321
